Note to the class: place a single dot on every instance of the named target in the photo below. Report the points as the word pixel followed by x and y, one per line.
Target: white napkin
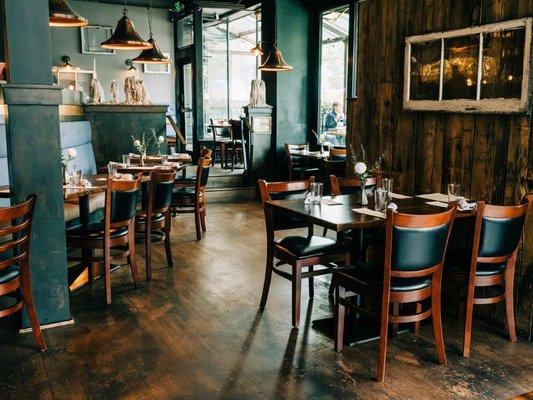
pixel 370 212
pixel 393 206
pixel 464 205
pixel 434 197
pixel 123 177
pixel 437 204
pixel 331 202
pixel 400 196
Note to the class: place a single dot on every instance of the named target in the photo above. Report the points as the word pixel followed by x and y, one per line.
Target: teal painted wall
pixel 109 67
pixel 288 92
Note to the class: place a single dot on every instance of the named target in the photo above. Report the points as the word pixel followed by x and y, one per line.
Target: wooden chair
pixel 153 221
pixel 204 153
pixel 497 234
pixel 298 251
pixel 341 185
pixel 221 139
pixel 298 168
pixel 115 235
pixel 189 197
pixel 15 233
pixel 414 255
pixel 335 164
pixel 236 147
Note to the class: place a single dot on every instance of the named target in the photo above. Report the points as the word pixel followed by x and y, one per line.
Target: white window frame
pixel 498 105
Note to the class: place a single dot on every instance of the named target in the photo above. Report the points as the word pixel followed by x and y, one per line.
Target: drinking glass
pixel 317 188
pixel 164 159
pixel 306 148
pixel 173 151
pixel 386 184
pixel 380 199
pixel 112 168
pixel 77 177
pixel 454 191
pixel 126 159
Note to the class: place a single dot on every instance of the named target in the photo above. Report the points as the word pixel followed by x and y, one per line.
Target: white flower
pixel 161 139
pixel 72 153
pixel 360 168
pixel 137 143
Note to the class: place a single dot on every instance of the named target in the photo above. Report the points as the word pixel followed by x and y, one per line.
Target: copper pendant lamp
pixel 257 50
pixel 153 55
pixel 125 36
pixel 275 61
pixel 61 15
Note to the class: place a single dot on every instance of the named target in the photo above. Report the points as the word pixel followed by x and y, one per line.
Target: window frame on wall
pixel 351 62
pixel 479 104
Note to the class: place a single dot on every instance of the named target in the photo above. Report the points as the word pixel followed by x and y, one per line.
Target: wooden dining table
pixel 311 155
pixel 339 218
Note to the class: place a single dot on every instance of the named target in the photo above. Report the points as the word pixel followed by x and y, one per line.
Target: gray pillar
pixel 33 146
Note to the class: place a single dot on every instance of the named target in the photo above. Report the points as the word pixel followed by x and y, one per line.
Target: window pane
pixel 333 73
pixel 461 56
pixel 425 70
pixel 215 74
pixel 503 54
pixel 185 32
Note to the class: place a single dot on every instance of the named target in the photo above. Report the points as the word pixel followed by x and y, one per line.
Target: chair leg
pixel 436 316
pixel 395 312
pixel 197 224
pixel 32 314
pixel 468 319
pixel 202 220
pixel 296 294
pixel 339 318
pixel 384 331
pixel 148 253
pixel 311 283
pixel 268 278
pixel 509 303
pixel 132 258
pixel 418 311
pixel 325 232
pixel 168 249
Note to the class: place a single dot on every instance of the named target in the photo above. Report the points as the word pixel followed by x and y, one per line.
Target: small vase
pixel 143 155
pixel 321 148
pixel 364 199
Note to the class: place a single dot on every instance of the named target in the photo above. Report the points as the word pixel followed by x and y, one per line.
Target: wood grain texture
pixel 491 155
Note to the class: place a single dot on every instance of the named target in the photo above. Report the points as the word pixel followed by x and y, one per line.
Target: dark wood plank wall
pixel 489 154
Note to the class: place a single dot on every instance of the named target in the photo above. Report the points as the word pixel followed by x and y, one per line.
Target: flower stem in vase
pixel 364 199
pixel 321 148
pixel 142 159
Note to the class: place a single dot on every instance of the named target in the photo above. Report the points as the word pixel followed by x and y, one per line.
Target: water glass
pixel 112 168
pixel 173 151
pixel 386 184
pixel 316 190
pixel 126 159
pixel 77 177
pixel 455 191
pixel 306 148
pixel 380 199
pixel 164 159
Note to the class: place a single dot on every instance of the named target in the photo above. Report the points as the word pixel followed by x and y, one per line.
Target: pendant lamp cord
pixel 150 18
pixel 125 10
pixel 275 23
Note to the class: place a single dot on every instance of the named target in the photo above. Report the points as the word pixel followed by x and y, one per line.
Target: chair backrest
pixel 498 231
pixel 15 232
pixel 288 190
pixel 236 129
pixel 337 153
pixel 121 201
pixel 350 185
pixel 206 152
pixel 202 173
pixel 293 147
pixel 415 245
pixel 161 187
pixel 219 130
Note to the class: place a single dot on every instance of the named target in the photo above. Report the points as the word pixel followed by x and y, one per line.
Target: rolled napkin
pixel 464 205
pixel 393 206
pixel 123 177
pixel 85 183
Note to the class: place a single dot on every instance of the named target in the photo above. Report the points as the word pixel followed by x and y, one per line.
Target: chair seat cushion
pixel 9 273
pixel 184 192
pixel 305 169
pixel 371 274
pixel 157 217
pixel 309 246
pixel 490 269
pixel 93 230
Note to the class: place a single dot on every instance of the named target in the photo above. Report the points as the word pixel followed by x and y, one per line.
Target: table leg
pixel 84 210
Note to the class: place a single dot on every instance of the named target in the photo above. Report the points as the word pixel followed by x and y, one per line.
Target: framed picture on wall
pixel 157 68
pixel 91 38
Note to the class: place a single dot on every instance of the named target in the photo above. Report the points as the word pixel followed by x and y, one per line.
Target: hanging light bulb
pixel 275 61
pixel 62 15
pixel 153 55
pixel 125 36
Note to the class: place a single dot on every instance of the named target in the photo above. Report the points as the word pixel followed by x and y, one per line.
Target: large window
pixel 229 66
pixel 334 73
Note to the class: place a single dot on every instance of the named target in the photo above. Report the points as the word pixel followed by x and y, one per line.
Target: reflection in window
pixel 215 73
pixel 461 56
pixel 503 55
pixel 334 73
pixel 425 70
pixel 185 32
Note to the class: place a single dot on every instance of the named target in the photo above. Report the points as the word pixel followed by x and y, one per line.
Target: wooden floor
pixel 194 332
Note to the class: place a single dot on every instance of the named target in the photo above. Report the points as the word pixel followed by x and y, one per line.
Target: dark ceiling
pixel 170 3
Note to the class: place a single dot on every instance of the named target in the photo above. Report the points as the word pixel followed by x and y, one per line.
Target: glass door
pixel 186 106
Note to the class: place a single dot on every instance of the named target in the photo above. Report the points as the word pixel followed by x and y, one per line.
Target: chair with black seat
pixel 221 139
pixel 236 146
pixel 497 234
pixel 152 222
pixel 415 248
pixel 299 168
pixel 204 153
pixel 297 251
pixel 114 236
pixel 189 197
pixel 335 164
pixel 15 282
